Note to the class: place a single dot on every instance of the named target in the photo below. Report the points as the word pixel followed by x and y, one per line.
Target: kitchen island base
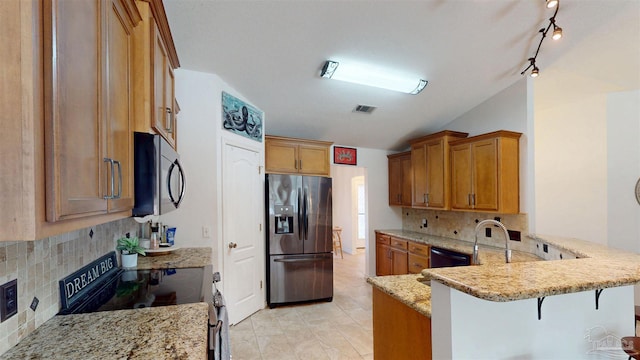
pixel 570 326
pixel 399 332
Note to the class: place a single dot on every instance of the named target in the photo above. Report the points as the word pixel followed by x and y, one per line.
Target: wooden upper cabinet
pixel 485 173
pixel 430 169
pixel 400 179
pixel 75 149
pixel 120 104
pixel 87 107
pixel 67 87
pixel 296 156
pixel 155 58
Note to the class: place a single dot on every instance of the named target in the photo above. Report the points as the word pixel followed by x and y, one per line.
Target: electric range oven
pixel 102 286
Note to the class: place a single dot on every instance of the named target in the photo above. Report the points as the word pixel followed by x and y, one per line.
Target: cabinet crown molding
pixel 494 134
pixel 400 154
pixel 307 141
pixel 453 134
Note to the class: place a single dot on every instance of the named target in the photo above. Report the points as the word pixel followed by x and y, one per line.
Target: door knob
pixel 232 245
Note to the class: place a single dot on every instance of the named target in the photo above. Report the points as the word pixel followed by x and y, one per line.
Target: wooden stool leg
pixel 337 241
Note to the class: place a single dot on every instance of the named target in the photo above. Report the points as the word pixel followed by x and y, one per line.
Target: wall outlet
pixel 487 232
pixel 34 303
pixel 545 248
pixel 8 299
pixel 424 223
pixel 514 235
pixel 206 232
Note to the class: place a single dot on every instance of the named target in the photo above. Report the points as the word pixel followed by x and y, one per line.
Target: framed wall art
pixel 241 118
pixel 345 155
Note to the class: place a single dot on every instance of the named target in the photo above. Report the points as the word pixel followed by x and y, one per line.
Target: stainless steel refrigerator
pixel 299 239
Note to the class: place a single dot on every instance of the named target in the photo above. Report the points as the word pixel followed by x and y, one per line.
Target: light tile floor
pixel 341 329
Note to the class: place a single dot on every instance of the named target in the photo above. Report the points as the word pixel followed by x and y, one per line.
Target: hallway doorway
pixel 349 207
pixel 358 212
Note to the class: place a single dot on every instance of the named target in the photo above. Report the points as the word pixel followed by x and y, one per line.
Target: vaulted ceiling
pixel 272 52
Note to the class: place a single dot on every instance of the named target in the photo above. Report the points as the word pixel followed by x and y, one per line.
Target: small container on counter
pixel 170 234
pixel 155 239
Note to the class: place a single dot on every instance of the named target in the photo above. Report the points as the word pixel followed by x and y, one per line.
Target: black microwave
pixel 159 181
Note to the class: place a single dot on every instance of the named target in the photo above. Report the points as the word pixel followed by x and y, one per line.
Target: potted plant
pixel 129 249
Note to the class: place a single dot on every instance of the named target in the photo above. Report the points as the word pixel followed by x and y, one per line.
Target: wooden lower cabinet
pixel 395 256
pixel 391 255
pixel 417 263
pixel 383 260
pixel 399 332
pixel 418 257
pixel 398 254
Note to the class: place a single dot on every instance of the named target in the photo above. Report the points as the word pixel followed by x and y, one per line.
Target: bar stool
pixel 337 240
pixel 631 345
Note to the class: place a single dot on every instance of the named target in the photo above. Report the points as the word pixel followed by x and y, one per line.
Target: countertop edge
pixel 408 289
pixel 502 282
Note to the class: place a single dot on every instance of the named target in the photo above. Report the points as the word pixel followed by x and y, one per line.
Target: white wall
pixel 198 128
pixel 571 169
pixel 379 214
pixel 200 141
pixel 342 203
pixel 587 124
pixel 623 170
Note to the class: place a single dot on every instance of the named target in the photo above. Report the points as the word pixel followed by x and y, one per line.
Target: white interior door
pixel 242 235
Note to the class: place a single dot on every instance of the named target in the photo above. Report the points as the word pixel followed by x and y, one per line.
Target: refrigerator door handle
pixel 298 260
pixel 305 214
pixel 300 214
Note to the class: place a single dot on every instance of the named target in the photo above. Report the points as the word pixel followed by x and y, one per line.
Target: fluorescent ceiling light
pixel 371 76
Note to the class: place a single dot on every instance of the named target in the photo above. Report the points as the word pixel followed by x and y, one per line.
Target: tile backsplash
pixel 461 225
pixel 39 265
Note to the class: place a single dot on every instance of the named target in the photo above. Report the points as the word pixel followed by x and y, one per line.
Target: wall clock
pixel 638 191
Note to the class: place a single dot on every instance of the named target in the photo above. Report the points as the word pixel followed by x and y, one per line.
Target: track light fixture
pixel 556 35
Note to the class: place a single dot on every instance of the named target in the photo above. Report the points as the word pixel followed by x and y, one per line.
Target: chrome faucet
pixel 483 223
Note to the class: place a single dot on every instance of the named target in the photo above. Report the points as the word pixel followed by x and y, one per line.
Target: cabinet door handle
pixel 300 164
pixel 168 120
pixel 119 195
pixel 295 164
pixel 112 180
pixel 473 199
pixel 426 196
pixel 469 199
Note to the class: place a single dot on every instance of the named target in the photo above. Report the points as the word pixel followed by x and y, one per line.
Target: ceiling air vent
pixel 364 109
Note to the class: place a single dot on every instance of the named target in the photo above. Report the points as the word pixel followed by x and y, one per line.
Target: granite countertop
pixel 168 332
pixel 179 258
pixel 408 289
pixel 486 254
pixel 598 267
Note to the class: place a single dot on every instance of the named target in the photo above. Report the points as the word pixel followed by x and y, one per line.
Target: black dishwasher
pixel 447 258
